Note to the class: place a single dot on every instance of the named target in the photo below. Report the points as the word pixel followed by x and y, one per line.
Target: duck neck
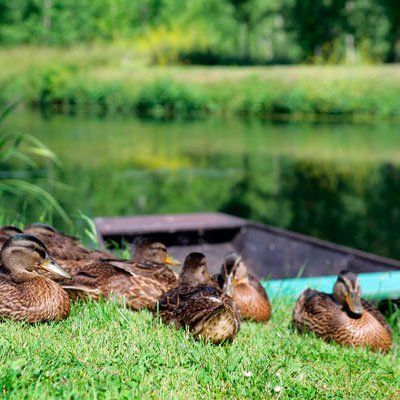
pixel 21 275
pixel 228 286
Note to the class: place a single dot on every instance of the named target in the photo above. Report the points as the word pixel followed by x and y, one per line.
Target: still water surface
pixel 339 182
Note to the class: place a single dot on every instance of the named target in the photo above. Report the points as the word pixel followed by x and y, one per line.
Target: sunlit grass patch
pixel 105 351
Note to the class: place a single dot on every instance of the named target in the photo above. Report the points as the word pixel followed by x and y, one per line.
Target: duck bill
pixel 171 261
pixel 51 266
pixel 354 303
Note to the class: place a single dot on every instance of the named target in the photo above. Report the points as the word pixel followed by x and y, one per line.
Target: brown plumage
pixel 24 294
pixel 343 317
pixel 139 283
pixel 6 232
pixel 62 246
pixel 199 304
pixel 245 289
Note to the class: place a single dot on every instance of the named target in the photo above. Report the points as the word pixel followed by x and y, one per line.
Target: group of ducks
pixel 41 269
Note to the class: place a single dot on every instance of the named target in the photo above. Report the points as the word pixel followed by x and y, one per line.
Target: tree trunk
pixel 47 6
pixel 392 55
pixel 246 53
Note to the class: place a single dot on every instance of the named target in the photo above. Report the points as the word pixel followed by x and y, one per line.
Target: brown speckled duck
pixel 139 282
pixel 62 246
pixel 343 316
pixel 6 232
pixel 199 304
pixel 245 289
pixel 151 258
pixel 24 294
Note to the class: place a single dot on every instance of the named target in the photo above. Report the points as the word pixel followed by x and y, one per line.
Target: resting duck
pixel 139 283
pixel 343 316
pixel 199 304
pixel 150 259
pixel 6 232
pixel 62 246
pixel 245 289
pixel 24 294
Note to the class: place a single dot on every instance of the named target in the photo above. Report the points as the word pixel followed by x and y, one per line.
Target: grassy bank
pixel 103 81
pixel 102 351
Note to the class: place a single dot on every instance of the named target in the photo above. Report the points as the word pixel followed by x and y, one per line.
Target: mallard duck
pixel 245 289
pixel 6 232
pixel 150 258
pixel 140 282
pixel 199 304
pixel 9 230
pixel 344 316
pixel 24 294
pixel 62 246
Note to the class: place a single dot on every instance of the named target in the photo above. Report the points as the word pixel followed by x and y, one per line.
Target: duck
pixel 6 232
pixel 25 295
pixel 62 246
pixel 151 258
pixel 199 304
pixel 245 289
pixel 9 230
pixel 139 282
pixel 343 317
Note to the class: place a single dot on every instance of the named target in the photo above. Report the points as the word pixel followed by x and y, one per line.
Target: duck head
pixel 149 250
pixel 347 292
pixel 194 271
pixel 9 230
pixel 233 271
pixel 23 256
pixel 40 229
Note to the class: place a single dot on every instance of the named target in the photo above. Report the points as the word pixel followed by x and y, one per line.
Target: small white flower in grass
pixel 277 389
pixel 247 374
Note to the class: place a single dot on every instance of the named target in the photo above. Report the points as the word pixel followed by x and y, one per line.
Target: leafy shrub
pixel 168 98
pixel 351 95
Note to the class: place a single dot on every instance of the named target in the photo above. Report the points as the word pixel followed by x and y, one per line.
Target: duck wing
pixel 368 306
pixel 159 273
pixel 66 247
pixel 189 305
pixel 316 311
pixel 256 284
pixel 79 291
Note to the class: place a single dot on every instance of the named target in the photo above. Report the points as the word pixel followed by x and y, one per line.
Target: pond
pixel 339 182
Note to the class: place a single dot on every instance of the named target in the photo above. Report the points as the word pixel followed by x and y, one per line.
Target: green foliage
pixel 392 13
pixel 353 92
pixel 166 98
pixel 242 31
pixel 317 24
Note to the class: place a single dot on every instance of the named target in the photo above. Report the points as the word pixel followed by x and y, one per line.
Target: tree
pixel 250 14
pixel 392 10
pixel 317 24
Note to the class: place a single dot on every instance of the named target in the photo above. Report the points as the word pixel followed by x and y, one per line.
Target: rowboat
pixel 286 261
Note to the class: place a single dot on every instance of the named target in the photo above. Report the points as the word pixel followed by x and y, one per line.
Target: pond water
pixel 339 182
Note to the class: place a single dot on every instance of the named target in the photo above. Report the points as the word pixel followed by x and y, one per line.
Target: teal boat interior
pixel 374 285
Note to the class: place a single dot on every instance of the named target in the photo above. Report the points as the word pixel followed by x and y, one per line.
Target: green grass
pixel 103 351
pixel 117 80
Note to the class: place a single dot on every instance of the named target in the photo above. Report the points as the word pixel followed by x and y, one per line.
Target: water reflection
pixel 286 175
